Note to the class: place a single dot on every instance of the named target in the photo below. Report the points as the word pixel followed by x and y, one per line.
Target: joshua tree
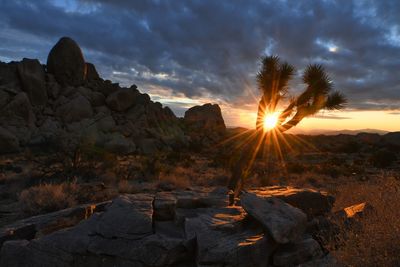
pixel 273 79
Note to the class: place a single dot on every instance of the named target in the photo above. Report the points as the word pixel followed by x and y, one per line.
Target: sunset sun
pixel 270 121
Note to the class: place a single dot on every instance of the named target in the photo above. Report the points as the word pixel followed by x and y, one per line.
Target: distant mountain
pixel 336 132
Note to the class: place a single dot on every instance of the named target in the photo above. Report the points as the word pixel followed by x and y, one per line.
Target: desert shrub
pixel 295 167
pixel 151 167
pixel 383 158
pixel 350 147
pixel 173 181
pixel 124 186
pixel 47 197
pixel 329 169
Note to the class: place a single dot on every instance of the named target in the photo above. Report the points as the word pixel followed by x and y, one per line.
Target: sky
pixel 186 53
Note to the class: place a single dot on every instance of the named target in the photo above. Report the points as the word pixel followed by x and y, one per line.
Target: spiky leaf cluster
pixel 273 79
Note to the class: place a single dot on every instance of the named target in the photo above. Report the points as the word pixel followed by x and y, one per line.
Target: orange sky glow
pixel 244 115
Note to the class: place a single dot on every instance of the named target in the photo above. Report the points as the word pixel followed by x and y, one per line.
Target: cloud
pixel 331 117
pixel 210 49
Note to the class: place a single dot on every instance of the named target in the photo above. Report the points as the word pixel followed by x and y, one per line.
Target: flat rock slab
pixel 310 201
pixel 179 228
pixel 223 240
pixel 40 225
pixel 293 254
pixel 284 222
pixel 128 216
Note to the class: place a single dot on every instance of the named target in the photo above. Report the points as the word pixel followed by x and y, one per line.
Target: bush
pixel 47 198
pixel 295 167
pixel 383 158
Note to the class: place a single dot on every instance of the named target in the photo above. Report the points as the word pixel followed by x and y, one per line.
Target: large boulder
pixel 75 110
pixel 207 117
pixel 310 201
pixel 18 111
pixel 65 61
pixel 18 118
pixel 8 142
pixel 128 216
pixel 4 98
pixel 285 223
pixel 117 143
pixel 32 76
pixel 122 99
pixel 204 124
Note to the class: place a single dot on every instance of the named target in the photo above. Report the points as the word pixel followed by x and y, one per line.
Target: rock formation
pixel 192 227
pixel 204 124
pixel 40 105
pixel 66 63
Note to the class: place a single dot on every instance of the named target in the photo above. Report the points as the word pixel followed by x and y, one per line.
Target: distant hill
pixel 321 131
pixel 336 132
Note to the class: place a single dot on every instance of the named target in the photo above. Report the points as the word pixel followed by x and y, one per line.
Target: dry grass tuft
pixel 47 197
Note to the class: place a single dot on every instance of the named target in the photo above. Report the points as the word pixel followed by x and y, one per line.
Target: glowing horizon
pixel 245 116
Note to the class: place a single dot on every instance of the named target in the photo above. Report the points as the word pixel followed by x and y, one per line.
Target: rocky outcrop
pixel 310 201
pixel 122 99
pixel 68 100
pixel 66 63
pixel 32 76
pixel 8 142
pixel 204 124
pixel 192 227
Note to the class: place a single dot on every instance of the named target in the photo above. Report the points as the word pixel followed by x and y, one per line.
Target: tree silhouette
pixel 273 79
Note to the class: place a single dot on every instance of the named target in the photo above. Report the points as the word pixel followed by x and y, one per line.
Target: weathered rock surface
pixel 293 254
pixel 310 201
pixel 75 110
pixel 122 99
pixel 176 228
pixel 66 62
pixel 32 76
pixel 207 116
pixel 8 142
pixel 204 124
pixel 68 99
pixel 285 223
pixel 40 225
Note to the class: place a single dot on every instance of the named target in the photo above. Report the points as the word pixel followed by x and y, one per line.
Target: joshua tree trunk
pixel 260 114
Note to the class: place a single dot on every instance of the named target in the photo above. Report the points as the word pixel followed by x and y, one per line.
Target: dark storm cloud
pixel 212 47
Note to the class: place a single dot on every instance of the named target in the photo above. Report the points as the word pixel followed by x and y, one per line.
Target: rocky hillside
pixel 67 101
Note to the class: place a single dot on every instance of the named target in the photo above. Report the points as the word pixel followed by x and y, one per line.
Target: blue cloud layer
pixel 212 48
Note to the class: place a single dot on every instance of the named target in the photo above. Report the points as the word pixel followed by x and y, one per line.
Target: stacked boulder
pixel 193 227
pixel 40 104
pixel 204 124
